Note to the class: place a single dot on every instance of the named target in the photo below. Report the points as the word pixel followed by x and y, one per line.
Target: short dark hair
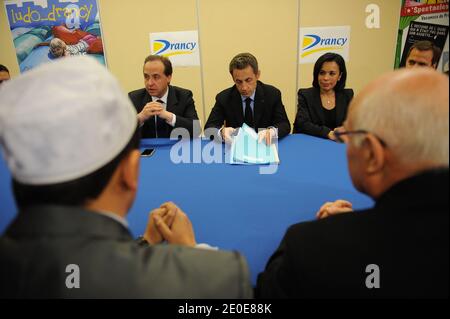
pixel 330 57
pixel 243 60
pixel 76 192
pixel 426 45
pixel 165 61
pixel 3 68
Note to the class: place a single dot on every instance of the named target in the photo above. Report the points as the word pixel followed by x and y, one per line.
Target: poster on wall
pixel 44 30
pixel 423 20
pixel 316 41
pixel 180 47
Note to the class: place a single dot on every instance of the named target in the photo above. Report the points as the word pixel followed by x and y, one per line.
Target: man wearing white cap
pixel 75 167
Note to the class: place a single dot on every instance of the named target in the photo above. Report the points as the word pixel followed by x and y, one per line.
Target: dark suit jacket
pixel 310 118
pixel 179 102
pixel 42 241
pixel 268 109
pixel 406 235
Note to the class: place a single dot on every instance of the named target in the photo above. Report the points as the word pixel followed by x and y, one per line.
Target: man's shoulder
pixel 137 94
pixel 180 91
pixel 193 265
pixel 338 225
pixel 268 88
pixel 198 257
pixel 226 93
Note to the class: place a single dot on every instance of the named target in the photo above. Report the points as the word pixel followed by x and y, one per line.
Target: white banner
pixel 318 40
pixel 180 47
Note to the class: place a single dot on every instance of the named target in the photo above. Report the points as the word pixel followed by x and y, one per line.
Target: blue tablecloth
pixel 235 207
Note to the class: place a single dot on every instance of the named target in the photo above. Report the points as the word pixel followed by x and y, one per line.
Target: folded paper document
pixel 246 149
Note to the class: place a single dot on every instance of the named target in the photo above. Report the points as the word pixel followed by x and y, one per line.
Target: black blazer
pixel 179 102
pixel 43 240
pixel 310 118
pixel 406 235
pixel 268 109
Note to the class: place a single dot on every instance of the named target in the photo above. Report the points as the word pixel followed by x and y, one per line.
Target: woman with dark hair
pixel 323 108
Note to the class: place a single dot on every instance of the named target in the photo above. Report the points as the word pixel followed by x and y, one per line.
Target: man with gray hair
pixel 397 137
pixel 75 169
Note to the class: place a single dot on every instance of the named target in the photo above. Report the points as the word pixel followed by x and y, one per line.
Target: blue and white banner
pixel 318 40
pixel 181 47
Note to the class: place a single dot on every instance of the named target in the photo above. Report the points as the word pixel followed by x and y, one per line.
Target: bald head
pixel 414 83
pixel 409 110
pixel 404 118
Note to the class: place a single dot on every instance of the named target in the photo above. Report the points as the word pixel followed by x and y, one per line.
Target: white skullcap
pixel 63 120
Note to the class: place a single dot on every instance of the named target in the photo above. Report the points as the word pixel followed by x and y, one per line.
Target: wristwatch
pixel 141 241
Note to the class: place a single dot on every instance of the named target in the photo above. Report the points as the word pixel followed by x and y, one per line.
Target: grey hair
pixel 414 125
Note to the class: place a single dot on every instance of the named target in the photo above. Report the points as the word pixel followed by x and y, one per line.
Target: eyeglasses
pixel 340 136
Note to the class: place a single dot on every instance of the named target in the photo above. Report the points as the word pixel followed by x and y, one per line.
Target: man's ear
pixel 130 170
pixel 258 74
pixel 373 154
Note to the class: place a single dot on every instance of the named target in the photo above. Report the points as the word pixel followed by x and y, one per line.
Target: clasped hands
pixel 169 223
pixel 331 134
pixel 266 135
pixel 154 108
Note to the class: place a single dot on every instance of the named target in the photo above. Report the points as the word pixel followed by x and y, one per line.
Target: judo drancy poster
pixel 43 30
pixel 423 20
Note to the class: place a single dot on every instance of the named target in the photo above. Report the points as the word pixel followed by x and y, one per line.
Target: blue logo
pixel 166 48
pixel 313 43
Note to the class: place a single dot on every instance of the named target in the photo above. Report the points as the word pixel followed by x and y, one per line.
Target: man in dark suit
pixel 74 180
pixel 398 153
pixel 249 101
pixel 162 107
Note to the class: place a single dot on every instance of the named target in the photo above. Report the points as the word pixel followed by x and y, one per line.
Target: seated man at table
pixel 249 101
pixel 397 136
pixel 75 168
pixel 162 107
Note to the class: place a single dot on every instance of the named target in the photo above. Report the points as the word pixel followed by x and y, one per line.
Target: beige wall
pixel 7 52
pixel 266 28
pixel 126 26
